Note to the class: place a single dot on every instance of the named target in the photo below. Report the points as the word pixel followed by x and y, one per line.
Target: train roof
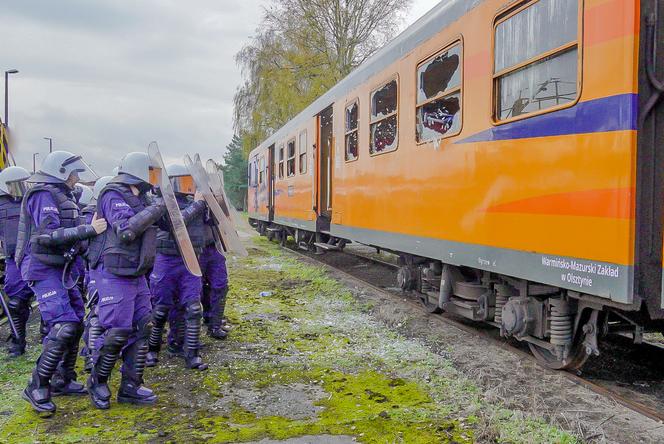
pixel 440 16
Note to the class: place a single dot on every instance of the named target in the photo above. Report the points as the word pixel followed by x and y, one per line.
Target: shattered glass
pixel 351 146
pixel 439 74
pixel 384 100
pixel 384 135
pixel 439 117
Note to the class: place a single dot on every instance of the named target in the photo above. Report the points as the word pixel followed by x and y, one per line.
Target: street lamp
pixel 34 162
pixel 11 71
pixel 50 144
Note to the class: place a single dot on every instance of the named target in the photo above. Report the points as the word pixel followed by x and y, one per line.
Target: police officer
pixel 48 237
pixel 124 308
pixel 215 281
pixel 171 283
pixel 93 330
pixel 12 189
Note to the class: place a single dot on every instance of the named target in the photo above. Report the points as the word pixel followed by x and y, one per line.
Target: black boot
pixel 95 330
pixel 192 337
pixel 19 310
pixel 176 345
pixel 159 317
pixel 64 380
pixel 132 389
pixel 38 391
pixel 216 328
pixel 100 394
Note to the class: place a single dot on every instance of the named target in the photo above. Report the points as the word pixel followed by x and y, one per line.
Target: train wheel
pixel 577 357
pixel 430 303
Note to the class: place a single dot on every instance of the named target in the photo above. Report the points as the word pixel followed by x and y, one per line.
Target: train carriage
pixel 509 153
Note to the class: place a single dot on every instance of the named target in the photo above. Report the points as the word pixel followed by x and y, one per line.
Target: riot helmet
pixel 137 169
pixel 83 195
pixel 12 181
pixel 100 184
pixel 181 179
pixel 59 166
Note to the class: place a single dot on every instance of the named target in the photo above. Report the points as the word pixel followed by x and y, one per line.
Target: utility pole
pixel 11 71
pixel 34 162
pixel 50 144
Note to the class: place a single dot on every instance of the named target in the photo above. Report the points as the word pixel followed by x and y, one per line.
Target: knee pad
pixel 193 311
pixel 116 338
pixel 18 305
pixel 160 313
pixel 64 331
pixel 144 327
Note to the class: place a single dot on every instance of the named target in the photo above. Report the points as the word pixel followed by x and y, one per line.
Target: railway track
pixel 653 411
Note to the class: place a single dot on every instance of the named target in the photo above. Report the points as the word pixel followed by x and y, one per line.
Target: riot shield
pixel 179 229
pixel 216 177
pixel 226 229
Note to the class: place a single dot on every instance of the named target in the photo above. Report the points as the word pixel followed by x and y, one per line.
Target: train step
pixel 325 246
pixel 274 229
pixel 303 246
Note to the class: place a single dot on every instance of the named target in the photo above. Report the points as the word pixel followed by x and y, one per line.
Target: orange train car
pixel 510 152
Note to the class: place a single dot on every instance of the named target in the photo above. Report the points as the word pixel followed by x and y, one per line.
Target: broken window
pixel 351 131
pixel 384 119
pixel 290 164
pixel 281 161
pixel 439 95
pixel 303 152
pixel 536 58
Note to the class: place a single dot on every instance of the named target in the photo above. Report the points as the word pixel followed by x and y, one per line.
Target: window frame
pixel 280 162
pixel 300 153
pixel 261 170
pixel 394 77
pixel 503 16
pixel 458 40
pixel 289 158
pixel 356 100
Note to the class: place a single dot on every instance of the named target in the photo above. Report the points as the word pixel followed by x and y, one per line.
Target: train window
pixel 281 161
pixel 303 152
pixel 351 131
pixel 261 169
pixel 383 125
pixel 536 58
pixel 290 164
pixel 439 95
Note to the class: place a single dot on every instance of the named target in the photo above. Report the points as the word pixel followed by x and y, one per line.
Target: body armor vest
pixel 166 243
pixel 127 259
pixel 28 231
pixel 10 212
pixel 96 244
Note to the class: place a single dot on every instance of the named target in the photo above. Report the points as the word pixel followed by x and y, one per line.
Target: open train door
pixel 270 183
pixel 324 156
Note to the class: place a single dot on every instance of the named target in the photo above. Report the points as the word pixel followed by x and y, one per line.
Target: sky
pixel 106 77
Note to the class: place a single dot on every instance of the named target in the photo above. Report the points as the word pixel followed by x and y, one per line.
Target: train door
pixel 324 165
pixel 270 183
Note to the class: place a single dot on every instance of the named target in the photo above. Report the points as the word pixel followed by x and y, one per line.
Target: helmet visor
pixel 183 184
pixel 17 189
pixel 81 169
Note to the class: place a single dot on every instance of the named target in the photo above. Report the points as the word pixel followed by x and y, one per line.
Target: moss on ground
pixel 378 386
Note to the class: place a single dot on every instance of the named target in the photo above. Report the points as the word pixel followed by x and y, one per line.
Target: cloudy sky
pixel 106 77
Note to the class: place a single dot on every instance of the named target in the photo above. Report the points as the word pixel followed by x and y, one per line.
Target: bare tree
pixel 301 49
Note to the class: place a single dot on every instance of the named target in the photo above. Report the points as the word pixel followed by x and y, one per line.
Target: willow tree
pixel 301 49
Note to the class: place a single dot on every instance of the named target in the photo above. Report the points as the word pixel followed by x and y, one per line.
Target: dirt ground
pixel 315 358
